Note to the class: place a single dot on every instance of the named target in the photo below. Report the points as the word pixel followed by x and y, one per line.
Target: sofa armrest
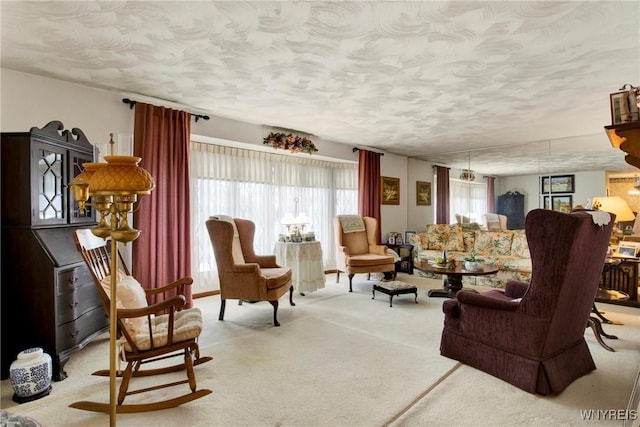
pixel 485 300
pixel 515 289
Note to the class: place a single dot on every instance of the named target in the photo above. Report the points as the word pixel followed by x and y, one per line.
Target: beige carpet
pixel 343 359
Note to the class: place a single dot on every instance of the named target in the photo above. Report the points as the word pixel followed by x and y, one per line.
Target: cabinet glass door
pixel 49 171
pixel 75 167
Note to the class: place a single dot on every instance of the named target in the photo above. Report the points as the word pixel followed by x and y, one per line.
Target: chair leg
pixel 124 385
pixel 188 362
pixel 338 276
pixel 291 297
pixel 275 312
pixel 222 306
pixel 350 285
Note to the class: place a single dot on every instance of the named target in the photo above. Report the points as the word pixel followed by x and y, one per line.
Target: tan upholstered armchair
pixel 358 251
pixel 244 275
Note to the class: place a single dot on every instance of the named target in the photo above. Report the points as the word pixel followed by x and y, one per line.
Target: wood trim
pixel 206 294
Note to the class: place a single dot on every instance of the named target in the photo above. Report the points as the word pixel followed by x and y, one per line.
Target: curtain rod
pixel 132 104
pixel 358 149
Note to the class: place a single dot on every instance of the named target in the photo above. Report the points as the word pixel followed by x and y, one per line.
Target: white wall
pixel 419 216
pixel 394 217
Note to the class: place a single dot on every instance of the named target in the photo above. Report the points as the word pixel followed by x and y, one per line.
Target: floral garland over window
pixel 295 144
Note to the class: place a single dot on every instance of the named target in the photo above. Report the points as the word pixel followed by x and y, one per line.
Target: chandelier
pixel 467 175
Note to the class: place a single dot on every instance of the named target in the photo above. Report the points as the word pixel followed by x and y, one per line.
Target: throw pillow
pixel 130 294
pixel 469 238
pixel 447 237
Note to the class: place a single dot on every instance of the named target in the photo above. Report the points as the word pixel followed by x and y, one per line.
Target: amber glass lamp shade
pixel 122 175
pixel 116 185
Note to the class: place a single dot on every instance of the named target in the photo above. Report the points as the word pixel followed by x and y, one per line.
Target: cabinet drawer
pixel 72 334
pixel 72 305
pixel 68 280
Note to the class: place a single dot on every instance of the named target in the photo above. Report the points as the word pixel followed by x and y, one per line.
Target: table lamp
pixel 617 206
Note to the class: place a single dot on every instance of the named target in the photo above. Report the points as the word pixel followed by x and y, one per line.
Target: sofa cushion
pixel 469 239
pixel 493 243
pixel 445 237
pixel 519 245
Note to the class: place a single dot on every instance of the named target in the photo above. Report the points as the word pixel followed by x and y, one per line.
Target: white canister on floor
pixel 31 372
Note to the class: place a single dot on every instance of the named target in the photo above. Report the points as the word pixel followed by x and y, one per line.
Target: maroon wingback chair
pixel 532 335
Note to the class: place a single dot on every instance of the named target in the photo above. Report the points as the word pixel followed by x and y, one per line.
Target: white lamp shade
pixel 615 205
pixel 303 219
pixel 288 220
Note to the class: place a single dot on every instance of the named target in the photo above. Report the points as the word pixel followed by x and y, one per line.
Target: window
pixel 263 188
pixel 468 199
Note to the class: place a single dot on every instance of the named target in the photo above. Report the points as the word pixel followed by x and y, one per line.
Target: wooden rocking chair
pixel 147 334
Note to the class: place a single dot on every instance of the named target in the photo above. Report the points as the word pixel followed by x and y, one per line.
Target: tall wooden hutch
pixel 48 299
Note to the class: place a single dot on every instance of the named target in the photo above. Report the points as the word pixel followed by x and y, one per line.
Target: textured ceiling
pixel 421 79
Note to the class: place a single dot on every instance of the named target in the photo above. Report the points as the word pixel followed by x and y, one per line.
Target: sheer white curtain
pixel 468 199
pixel 263 187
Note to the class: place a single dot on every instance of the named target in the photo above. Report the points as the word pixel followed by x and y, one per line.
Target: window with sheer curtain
pixel 264 187
pixel 468 199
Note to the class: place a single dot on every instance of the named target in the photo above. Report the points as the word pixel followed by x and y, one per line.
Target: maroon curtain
pixel 491 194
pixel 442 195
pixel 369 187
pixel 162 253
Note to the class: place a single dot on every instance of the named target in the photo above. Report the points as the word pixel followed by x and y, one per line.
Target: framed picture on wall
pixel 390 191
pixel 423 193
pixel 558 184
pixel 562 203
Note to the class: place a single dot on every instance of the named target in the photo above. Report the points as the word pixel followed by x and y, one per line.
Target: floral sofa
pixel 507 249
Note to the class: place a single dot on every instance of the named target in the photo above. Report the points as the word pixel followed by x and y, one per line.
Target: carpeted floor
pixel 343 359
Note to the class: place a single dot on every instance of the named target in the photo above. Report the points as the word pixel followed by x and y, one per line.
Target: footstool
pixel 394 288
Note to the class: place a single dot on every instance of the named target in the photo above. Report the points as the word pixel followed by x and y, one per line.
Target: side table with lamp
pixel 623 276
pixel 301 252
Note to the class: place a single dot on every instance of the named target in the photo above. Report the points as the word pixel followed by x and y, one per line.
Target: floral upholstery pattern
pixel 519 245
pixel 469 239
pixel 508 250
pixel 446 237
pixel 493 242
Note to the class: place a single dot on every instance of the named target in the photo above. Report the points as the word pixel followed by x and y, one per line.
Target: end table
pixel 405 265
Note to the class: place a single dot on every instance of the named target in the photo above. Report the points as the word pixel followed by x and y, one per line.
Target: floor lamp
pixel 114 188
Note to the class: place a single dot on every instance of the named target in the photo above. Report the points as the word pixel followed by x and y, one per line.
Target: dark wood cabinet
pixel 405 264
pixel 49 299
pixel 622 275
pixel 511 204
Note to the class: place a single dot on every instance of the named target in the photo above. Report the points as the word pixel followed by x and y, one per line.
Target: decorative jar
pixel 31 374
pixel 471 265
